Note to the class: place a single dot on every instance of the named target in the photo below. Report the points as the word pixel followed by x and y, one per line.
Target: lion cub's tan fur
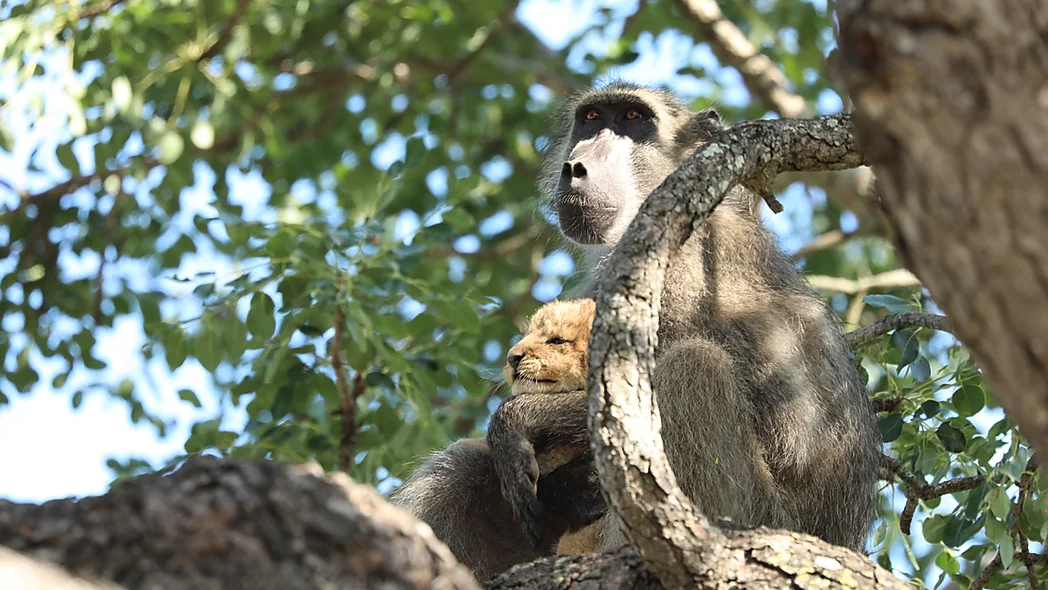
pixel 554 349
pixel 551 368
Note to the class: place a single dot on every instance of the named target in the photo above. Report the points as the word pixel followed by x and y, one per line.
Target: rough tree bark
pixel 679 544
pixel 951 108
pixel 226 525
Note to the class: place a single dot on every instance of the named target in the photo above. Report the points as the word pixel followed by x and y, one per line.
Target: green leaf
pixel 187 395
pixel 78 398
pixel 947 562
pixel 929 409
pixel 969 400
pixel 209 349
pixel 67 159
pixel 381 380
pixel 891 427
pixel 905 341
pixel 175 347
pixel 973 504
pixel 996 531
pixel 952 440
pixel 933 528
pixel 889 302
pixel 920 369
pixel 234 337
pixel 260 320
pixel 415 151
pixel 1000 504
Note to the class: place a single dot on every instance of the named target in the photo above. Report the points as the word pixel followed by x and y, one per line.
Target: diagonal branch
pixel 623 341
pixel 227 31
pixel 732 47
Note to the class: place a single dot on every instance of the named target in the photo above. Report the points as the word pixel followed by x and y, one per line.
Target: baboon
pixel 539 432
pixel 765 420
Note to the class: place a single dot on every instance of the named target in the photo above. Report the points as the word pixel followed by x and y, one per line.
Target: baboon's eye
pixel 633 115
pixel 592 115
pixel 556 340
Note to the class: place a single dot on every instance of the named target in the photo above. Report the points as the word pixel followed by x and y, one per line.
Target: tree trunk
pixel 951 109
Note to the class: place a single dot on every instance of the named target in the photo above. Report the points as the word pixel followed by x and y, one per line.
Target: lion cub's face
pixel 552 357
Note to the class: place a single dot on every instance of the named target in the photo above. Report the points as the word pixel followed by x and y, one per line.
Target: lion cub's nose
pixel 514 360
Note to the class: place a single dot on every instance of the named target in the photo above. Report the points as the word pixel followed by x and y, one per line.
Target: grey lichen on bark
pixel 679 545
pixel 951 105
pixel 215 524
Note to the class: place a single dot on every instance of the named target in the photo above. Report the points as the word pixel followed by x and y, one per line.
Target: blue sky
pixel 63 451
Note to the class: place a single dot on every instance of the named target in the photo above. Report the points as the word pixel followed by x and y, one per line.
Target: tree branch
pixel 227 31
pixel 887 280
pixel 731 46
pixel 678 543
pixel 908 319
pixel 215 523
pixel 98 9
pixel 916 489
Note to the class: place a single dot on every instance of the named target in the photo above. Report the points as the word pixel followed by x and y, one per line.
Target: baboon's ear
pixel 699 128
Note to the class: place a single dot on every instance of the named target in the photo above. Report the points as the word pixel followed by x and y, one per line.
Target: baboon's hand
pixel 519 481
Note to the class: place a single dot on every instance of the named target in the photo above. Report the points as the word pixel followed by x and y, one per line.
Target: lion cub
pixel 542 427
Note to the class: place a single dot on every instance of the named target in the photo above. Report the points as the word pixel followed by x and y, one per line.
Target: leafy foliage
pixel 257 186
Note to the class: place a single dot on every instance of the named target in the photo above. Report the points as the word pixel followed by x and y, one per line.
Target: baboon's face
pixel 624 141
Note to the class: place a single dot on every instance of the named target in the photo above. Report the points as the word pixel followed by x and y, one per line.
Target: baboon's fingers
pixel 533 521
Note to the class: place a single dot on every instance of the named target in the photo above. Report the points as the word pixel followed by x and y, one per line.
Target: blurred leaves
pixel 228 174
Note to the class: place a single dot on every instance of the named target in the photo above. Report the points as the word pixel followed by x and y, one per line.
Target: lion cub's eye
pixel 592 115
pixel 556 340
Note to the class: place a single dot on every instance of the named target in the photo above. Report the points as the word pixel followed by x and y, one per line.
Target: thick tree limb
pixel 234 525
pixel 677 542
pixel 950 99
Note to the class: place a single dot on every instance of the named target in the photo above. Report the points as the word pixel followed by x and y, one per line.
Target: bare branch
pixel 1025 487
pixel 916 489
pixel 348 412
pixel 98 9
pixel 1028 559
pixel 885 405
pixel 731 46
pixel 908 319
pixel 887 280
pixel 826 241
pixel 227 31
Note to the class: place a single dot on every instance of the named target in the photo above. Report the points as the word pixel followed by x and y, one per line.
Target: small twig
pixel 730 45
pixel 887 280
pixel 496 27
pixel 97 9
pixel 1025 483
pixel 915 489
pixel 885 405
pixel 348 411
pixel 1026 558
pixel 227 31
pixel 908 319
pixel 825 242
